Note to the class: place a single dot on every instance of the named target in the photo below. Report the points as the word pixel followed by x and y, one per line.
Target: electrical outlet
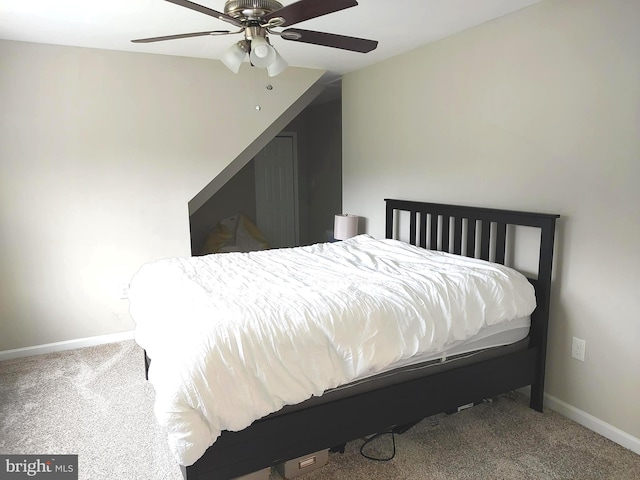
pixel 578 348
pixel 124 291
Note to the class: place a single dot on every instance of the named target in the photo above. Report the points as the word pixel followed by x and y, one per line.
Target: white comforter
pixel 236 336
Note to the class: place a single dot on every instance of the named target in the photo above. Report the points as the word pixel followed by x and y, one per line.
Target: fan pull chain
pixel 258 106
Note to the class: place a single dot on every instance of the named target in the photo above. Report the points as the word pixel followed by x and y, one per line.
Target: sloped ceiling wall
pixel 101 152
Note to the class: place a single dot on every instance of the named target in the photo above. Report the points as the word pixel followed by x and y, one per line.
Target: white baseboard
pixel 592 423
pixel 66 345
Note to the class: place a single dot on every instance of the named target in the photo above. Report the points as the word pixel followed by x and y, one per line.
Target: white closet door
pixel 277 192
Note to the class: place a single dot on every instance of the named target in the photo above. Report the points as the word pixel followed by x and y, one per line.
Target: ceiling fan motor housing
pixel 251 9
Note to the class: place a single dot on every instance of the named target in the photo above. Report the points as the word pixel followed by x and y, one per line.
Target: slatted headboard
pixel 482 233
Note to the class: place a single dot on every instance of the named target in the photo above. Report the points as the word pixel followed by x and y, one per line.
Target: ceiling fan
pixel 257 20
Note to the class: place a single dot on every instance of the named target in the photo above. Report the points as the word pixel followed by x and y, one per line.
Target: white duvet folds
pixel 233 337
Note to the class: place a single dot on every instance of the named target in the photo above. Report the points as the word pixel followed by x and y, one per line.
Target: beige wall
pixel 538 110
pixel 100 152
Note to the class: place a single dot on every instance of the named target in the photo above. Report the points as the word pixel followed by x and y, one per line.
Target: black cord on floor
pixel 374 437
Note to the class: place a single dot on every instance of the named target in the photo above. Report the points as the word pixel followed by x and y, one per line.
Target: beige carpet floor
pixel 94 402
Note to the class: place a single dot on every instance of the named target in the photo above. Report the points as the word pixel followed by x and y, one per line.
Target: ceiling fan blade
pixel 208 11
pixel 354 44
pixel 306 9
pixel 182 35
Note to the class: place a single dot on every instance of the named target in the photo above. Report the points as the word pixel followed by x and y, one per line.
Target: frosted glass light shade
pixel 345 226
pixel 278 65
pixel 262 54
pixel 233 57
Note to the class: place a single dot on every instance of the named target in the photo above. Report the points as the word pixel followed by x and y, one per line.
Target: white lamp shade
pixel 262 54
pixel 345 226
pixel 278 66
pixel 233 57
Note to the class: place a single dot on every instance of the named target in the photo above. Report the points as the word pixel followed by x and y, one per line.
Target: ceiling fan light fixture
pixel 262 54
pixel 257 19
pixel 234 56
pixel 278 65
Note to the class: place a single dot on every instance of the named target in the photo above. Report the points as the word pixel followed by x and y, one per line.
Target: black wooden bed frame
pixel 275 439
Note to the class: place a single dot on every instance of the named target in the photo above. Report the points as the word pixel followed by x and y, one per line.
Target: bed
pixel 404 393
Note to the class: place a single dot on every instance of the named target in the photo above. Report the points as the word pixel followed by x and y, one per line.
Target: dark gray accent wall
pixel 318 131
pixel 238 195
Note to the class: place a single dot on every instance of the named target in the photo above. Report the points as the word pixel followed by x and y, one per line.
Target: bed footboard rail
pixel 275 439
pixel 485 233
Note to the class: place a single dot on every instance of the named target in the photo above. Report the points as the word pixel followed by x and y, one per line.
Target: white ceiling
pixel 398 25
